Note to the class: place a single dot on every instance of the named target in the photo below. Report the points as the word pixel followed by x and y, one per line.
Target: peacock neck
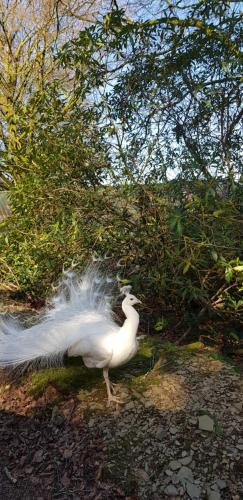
pixel 132 319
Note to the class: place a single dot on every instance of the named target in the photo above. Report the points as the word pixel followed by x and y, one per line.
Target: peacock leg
pixel 108 387
pixel 113 387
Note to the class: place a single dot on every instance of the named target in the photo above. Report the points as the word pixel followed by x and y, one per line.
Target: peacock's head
pixel 131 300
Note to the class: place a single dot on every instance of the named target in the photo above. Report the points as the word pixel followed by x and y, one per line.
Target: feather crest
pixel 81 309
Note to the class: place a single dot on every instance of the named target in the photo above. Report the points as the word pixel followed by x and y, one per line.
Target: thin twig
pixel 9 475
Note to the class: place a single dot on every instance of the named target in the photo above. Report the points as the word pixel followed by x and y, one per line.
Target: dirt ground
pixel 176 435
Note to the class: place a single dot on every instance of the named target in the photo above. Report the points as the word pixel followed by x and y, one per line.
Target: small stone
pixel 142 474
pixel 221 484
pixel 238 406
pixel 175 479
pixel 174 465
pixel 130 405
pixel 166 481
pixel 173 430
pixel 192 421
pixel 214 495
pixel 169 472
pixel 206 423
pixel 171 490
pixel 185 474
pixel 193 491
pixel 161 433
pixel 239 447
pixel 148 404
pixel 186 460
pixel 38 456
pixel 91 422
pixel 184 454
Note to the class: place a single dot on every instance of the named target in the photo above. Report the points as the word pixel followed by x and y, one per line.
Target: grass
pixel 154 358
pixel 143 370
pixel 74 376
pixel 224 359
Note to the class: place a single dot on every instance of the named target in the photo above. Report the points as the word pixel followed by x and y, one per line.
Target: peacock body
pixel 79 322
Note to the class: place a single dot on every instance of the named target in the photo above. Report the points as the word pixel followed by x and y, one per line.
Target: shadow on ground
pixel 64 443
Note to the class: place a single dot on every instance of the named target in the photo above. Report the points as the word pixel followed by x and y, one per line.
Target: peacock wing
pixel 94 351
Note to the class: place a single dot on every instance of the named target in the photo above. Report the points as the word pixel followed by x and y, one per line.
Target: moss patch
pixel 74 376
pixel 154 358
pixel 70 378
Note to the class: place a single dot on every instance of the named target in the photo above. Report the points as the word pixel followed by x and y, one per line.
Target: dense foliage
pixel 139 161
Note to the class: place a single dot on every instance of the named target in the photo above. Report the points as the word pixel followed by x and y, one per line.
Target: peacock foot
pixel 113 387
pixel 113 399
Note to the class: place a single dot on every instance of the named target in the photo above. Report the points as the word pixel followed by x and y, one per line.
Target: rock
pixel 185 474
pixel 175 479
pixel 161 433
pixel 239 447
pixel 130 405
pixel 96 406
pixel 148 404
pixel 192 421
pixel 193 491
pixel 171 490
pixel 206 423
pixel 214 495
pixel 173 430
pixel 38 456
pixel 169 472
pixel 141 474
pixel 54 412
pixel 174 465
pixel 186 460
pixel 221 484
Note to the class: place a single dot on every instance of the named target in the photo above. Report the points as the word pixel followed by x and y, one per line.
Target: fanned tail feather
pixel 81 308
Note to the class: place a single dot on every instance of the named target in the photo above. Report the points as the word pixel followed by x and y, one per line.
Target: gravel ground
pixel 178 438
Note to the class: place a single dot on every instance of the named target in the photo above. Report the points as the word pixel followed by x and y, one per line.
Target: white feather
pixel 77 312
pixel 79 322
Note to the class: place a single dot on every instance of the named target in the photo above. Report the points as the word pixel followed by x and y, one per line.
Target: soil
pixel 176 435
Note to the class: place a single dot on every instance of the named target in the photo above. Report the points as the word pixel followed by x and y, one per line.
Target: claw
pixel 113 399
pixel 114 387
pixel 110 388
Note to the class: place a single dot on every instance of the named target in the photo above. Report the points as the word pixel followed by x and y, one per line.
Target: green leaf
pixel 229 274
pixel 214 255
pixel 160 325
pixel 186 267
pixel 238 268
pixel 217 213
pixel 234 335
